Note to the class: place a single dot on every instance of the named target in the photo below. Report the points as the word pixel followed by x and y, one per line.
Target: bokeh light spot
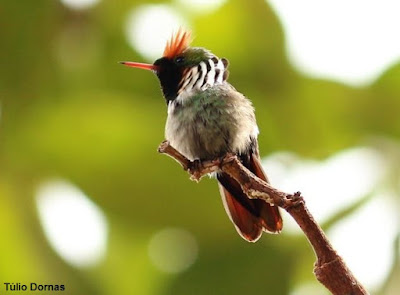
pixel 79 4
pixel 365 240
pixel 337 39
pixel 335 184
pixel 201 6
pixel 310 289
pixel 150 26
pixel 358 170
pixel 173 250
pixel 74 226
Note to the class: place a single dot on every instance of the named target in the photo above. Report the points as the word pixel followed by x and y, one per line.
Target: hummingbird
pixel 207 118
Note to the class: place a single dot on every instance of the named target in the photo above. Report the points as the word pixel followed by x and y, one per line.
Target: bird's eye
pixel 179 60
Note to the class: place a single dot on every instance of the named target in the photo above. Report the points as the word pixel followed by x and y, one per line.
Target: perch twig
pixel 329 269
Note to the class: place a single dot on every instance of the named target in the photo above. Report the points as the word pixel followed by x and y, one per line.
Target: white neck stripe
pixel 200 77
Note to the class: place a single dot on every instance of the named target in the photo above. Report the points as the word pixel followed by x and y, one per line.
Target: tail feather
pixel 247 225
pixel 271 218
pixel 250 216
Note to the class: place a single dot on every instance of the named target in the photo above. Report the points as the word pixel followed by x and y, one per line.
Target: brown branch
pixel 329 269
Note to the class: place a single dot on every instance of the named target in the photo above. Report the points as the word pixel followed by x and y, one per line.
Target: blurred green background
pixel 73 120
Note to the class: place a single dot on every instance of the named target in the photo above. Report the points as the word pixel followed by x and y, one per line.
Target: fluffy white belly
pixel 210 129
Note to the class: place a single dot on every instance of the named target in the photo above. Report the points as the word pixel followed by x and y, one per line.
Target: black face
pixel 169 73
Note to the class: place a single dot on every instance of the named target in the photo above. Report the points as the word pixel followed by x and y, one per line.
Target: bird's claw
pixel 194 169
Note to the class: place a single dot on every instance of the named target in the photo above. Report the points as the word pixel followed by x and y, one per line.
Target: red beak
pixel 139 65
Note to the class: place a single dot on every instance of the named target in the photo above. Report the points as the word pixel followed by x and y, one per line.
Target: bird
pixel 208 118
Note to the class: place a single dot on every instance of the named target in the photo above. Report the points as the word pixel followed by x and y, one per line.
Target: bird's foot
pixel 194 169
pixel 198 168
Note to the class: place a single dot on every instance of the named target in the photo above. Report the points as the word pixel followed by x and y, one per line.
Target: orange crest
pixel 177 44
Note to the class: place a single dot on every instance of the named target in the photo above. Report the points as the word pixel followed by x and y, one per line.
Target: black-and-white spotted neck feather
pixel 202 76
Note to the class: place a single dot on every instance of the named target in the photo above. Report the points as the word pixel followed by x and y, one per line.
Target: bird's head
pixel 183 68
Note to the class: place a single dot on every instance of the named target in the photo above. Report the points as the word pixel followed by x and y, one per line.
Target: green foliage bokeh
pixel 97 124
